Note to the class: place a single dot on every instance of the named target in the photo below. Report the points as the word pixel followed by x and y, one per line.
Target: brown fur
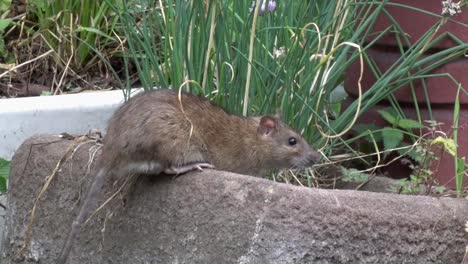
pixel 152 126
pixel 156 132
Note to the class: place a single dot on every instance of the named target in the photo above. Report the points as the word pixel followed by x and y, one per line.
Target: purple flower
pixel 263 6
pixel 271 6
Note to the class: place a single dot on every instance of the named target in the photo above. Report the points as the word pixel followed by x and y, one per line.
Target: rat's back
pixel 173 130
pixel 157 125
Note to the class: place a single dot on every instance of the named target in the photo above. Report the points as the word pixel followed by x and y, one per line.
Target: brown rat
pixel 163 131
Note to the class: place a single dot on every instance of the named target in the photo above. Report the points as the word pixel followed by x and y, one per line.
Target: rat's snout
pixel 309 158
pixel 313 157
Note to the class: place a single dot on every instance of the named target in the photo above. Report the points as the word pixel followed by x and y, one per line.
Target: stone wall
pixel 220 217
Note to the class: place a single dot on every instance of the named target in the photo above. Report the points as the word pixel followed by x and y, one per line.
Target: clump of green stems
pixel 72 32
pixel 292 59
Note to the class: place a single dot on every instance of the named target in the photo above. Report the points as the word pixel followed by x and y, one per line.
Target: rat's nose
pixel 314 157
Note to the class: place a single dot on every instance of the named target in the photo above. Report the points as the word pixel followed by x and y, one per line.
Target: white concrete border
pixel 21 118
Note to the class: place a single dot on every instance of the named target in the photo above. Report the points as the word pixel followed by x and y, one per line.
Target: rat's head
pixel 284 147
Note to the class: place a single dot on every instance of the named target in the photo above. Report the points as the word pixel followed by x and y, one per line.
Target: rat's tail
pixel 85 211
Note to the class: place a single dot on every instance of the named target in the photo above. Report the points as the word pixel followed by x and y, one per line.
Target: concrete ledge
pixel 220 217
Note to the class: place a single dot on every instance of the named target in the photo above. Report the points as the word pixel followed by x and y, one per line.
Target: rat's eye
pixel 292 141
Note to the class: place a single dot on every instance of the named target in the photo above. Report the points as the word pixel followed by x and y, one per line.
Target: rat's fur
pixel 164 131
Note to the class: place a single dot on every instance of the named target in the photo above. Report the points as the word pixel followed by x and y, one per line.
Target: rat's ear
pixel 268 124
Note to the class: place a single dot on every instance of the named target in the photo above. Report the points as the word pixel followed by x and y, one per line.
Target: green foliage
pixel 392 117
pixel 77 31
pixel 293 58
pixel 369 132
pixel 392 137
pixel 4 173
pixel 460 167
pixel 389 117
pixel 408 124
pixel 420 177
pixel 408 186
pixel 46 93
pixel 460 164
pixel 353 175
pixel 300 53
pixel 296 64
pixel 4 23
pixel 418 153
pixel 448 144
pixel 439 189
pixel 4 5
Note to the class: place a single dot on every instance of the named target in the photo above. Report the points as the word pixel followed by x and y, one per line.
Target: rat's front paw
pixel 189 167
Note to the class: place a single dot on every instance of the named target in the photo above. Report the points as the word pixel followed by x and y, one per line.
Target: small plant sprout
pixel 450 8
pixel 4 173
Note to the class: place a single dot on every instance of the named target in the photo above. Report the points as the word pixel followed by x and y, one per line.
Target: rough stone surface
pixel 219 217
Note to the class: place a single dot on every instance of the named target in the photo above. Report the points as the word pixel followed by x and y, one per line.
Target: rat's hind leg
pixel 188 167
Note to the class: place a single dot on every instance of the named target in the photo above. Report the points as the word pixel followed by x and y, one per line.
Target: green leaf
pixel 388 116
pixel 440 189
pixel 3 185
pixel 366 129
pixel 4 22
pixel 409 124
pixel 336 108
pixel 414 154
pixel 392 137
pixel 448 144
pixel 3 51
pixel 460 167
pixel 4 168
pixel 4 173
pixel 404 151
pixel 361 128
pixel 40 4
pixel 4 5
pixel 95 31
pixel 354 175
